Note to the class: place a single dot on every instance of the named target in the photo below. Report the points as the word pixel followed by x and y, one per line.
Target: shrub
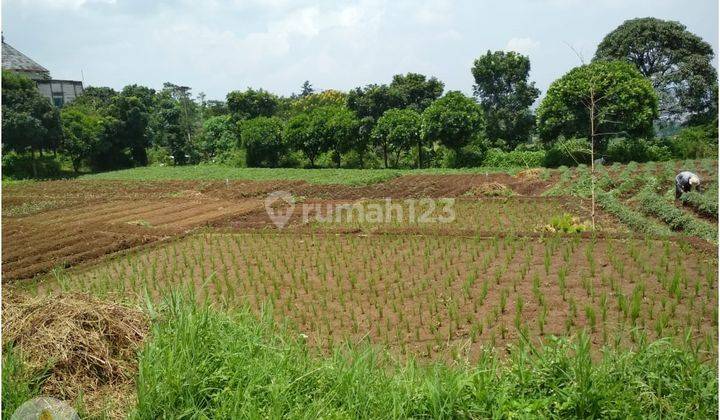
pixel 635 150
pixel 262 138
pixel 694 143
pixel 570 152
pixel 159 156
pixel 465 157
pixel 20 166
pixel 517 158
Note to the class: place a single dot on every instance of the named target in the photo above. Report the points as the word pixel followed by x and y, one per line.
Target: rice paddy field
pixel 519 295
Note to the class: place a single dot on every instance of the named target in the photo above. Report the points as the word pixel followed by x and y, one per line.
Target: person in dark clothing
pixel 686 181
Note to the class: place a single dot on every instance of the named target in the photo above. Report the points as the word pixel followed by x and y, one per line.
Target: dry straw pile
pixel 85 346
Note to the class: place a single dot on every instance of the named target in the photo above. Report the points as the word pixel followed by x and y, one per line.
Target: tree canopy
pixel 262 137
pixel 29 121
pixel 626 103
pixel 416 91
pixel 453 120
pixel 505 94
pixel 252 103
pixel 678 62
pixel 396 132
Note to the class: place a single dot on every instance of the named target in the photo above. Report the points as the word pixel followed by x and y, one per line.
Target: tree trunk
pixel 419 157
pixel 33 163
pixel 385 155
pixel 592 156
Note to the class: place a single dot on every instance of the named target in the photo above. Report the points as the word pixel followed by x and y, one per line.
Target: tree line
pixel 648 76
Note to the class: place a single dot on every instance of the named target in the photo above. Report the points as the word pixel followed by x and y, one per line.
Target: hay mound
pixel 491 189
pixel 87 344
pixel 530 174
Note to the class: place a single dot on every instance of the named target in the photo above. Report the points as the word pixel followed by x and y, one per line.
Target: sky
pixel 216 46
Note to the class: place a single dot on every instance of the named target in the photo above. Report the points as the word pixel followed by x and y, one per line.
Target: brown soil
pixel 59 224
pixel 424 294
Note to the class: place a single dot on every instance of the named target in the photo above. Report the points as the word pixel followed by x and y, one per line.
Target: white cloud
pixel 522 45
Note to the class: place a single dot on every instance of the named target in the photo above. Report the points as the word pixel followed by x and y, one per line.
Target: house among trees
pixel 59 92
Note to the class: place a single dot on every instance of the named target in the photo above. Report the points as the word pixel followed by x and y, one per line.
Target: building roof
pixel 13 59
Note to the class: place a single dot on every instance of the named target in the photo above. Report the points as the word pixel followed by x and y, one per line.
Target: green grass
pixel 202 363
pixel 314 176
pixel 18 383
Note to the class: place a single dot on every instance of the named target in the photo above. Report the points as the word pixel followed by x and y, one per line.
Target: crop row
pixel 704 204
pixel 427 295
pixel 675 218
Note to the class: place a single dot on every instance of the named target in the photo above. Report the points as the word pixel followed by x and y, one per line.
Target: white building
pixel 59 92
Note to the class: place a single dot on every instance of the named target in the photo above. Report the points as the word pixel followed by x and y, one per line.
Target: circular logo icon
pixel 45 408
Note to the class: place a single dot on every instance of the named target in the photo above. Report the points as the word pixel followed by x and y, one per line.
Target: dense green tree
pixel 323 129
pixel 30 123
pixel 132 107
pixel 96 97
pixel 82 128
pixel 311 101
pixel 373 100
pixel 453 120
pixel 364 135
pixel 262 138
pixel 299 135
pixel 502 87
pixel 214 108
pixel 415 90
pixel 396 132
pixel 170 127
pixel 624 103
pixel 306 89
pixel 678 62
pixel 340 126
pixel 252 104
pixel 218 136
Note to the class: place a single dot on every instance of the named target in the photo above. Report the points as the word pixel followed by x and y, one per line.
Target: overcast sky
pixel 215 46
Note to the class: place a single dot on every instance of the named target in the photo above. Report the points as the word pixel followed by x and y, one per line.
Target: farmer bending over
pixel 685 181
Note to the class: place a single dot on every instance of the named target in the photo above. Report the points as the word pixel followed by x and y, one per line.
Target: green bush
pixel 235 157
pixel 498 158
pixel 262 138
pixel 159 156
pixel 694 143
pixel 20 166
pixel 466 157
pixel 624 150
pixel 568 152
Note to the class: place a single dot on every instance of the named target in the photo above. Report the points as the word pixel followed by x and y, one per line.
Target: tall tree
pixel 306 89
pixel 678 62
pixel 132 107
pixel 416 91
pixel 82 133
pixel 502 87
pixel 252 104
pixel 453 120
pixel 396 132
pixel 30 123
pixel 373 100
pixel 623 102
pixel 262 138
pixel 174 122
